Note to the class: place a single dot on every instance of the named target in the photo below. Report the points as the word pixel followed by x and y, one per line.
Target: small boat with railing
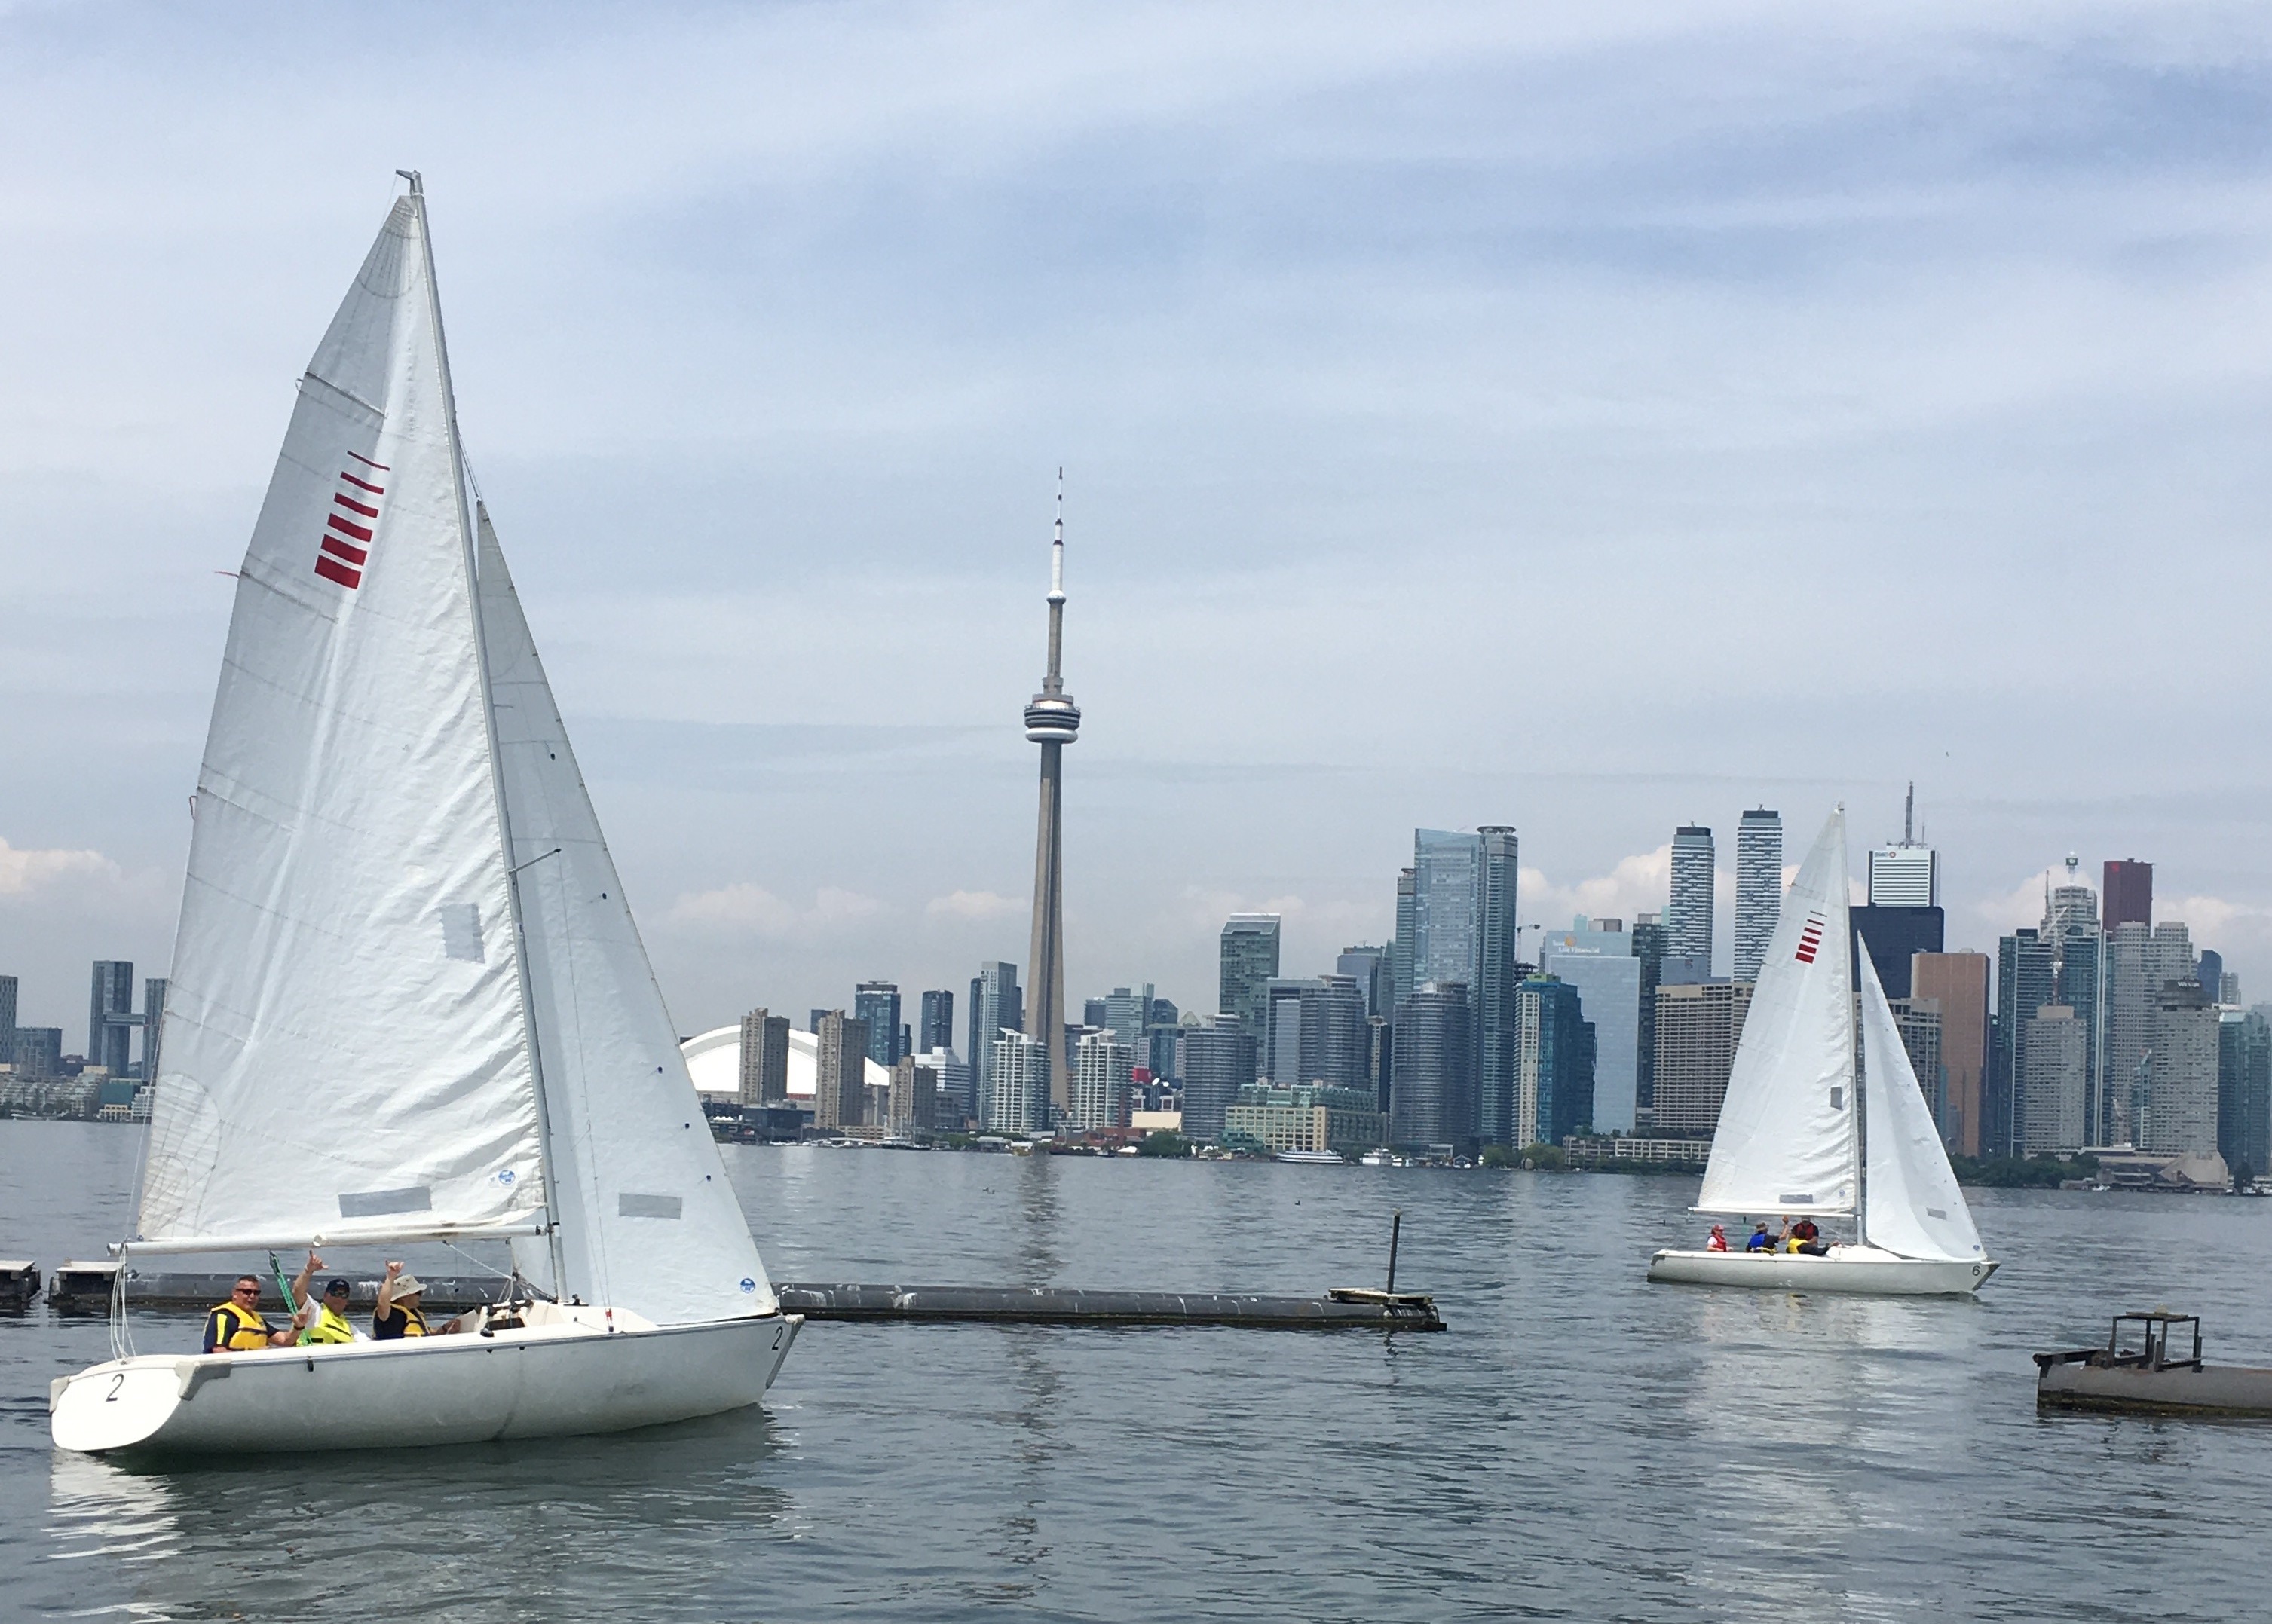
pixel 2163 1373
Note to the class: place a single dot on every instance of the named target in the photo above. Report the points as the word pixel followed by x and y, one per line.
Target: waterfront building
pixel 1431 1091
pixel 40 1051
pixel 1958 984
pixel 1688 914
pixel 8 1019
pixel 1018 1095
pixel 1401 949
pixel 2025 982
pixel 1698 1027
pixel 955 1104
pixel 1500 973
pixel 2180 1110
pixel 840 1093
pixel 1555 1060
pixel 2054 1085
pixel 1647 935
pixel 935 1025
pixel 1249 964
pixel 2128 894
pixel 1103 1064
pixel 1602 963
pixel 877 1004
pixel 1370 968
pixel 110 1019
pixel 1312 1118
pixel 1380 1057
pixel 1759 889
pixel 1052 721
pixel 1896 934
pixel 1218 1058
pixel 2141 960
pixel 765 1058
pixel 1315 1032
pixel 995 1005
pixel 912 1107
pixel 2243 1092
pixel 1161 1037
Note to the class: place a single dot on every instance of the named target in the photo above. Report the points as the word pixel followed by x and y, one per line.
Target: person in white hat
pixel 396 1314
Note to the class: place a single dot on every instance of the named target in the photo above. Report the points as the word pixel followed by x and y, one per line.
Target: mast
pixel 1857 1059
pixel 488 725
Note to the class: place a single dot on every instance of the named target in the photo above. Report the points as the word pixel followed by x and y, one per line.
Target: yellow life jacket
pixel 329 1326
pixel 232 1330
pixel 414 1322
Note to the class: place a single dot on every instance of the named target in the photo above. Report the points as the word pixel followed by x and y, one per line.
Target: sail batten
pixel 1787 1139
pixel 345 1014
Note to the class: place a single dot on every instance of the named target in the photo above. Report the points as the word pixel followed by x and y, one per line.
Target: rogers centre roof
pixel 715 1061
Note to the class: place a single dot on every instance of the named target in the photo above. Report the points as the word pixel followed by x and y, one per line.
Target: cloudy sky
pixel 1591 419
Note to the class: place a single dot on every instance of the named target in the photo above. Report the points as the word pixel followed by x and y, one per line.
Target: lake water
pixel 1579 1444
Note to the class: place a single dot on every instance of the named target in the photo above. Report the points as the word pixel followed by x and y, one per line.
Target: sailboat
pixel 1821 1121
pixel 409 1004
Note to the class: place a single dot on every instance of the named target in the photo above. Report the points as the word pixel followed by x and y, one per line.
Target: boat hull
pixel 543 1381
pixel 2176 1389
pixel 1863 1269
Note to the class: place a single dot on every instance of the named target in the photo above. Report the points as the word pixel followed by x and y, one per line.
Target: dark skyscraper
pixel 8 1018
pixel 1249 964
pixel 1052 721
pixel 1431 1091
pixel 1649 947
pixel 1894 935
pixel 1498 953
pixel 877 1004
pixel 153 1025
pixel 2127 896
pixel 936 1028
pixel 1218 1061
pixel 1368 967
pixel 2025 982
pixel 1554 1076
pixel 1400 947
pixel 765 1058
pixel 110 1019
pixel 994 1004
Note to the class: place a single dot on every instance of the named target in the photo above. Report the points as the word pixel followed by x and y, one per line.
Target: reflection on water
pixel 1580 1444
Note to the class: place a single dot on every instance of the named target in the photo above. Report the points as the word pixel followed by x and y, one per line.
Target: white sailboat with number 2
pixel 1797 1137
pixel 408 1000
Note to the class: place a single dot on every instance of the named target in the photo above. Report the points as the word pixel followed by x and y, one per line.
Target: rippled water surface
pixel 1579 1444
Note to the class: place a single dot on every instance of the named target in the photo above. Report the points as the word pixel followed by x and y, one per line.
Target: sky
pixel 1590 420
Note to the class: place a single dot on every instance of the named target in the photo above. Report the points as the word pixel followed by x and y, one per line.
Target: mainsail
pixel 346 1047
pixel 1915 1208
pixel 1786 1139
pixel 647 1220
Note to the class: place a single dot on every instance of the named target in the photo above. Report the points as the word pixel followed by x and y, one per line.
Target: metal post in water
pixel 1395 1228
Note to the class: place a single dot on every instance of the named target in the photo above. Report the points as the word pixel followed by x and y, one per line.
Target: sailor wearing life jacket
pixel 396 1314
pixel 236 1326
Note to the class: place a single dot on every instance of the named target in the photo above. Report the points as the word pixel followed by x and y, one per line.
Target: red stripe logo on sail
pixel 344 545
pixel 1810 939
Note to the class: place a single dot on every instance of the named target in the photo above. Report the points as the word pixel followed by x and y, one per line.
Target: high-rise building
pixel 1128 1011
pixel 1162 1033
pixel 1688 914
pixel 2128 894
pixel 1250 960
pixel 1431 1091
pixel 765 1058
pixel 2025 982
pixel 1958 982
pixel 1315 1034
pixel 1698 1027
pixel 1370 968
pixel 40 1051
pixel 935 1029
pixel 1092 1013
pixel 1218 1060
pixel 1896 934
pixel 1759 889
pixel 1554 1068
pixel 1499 973
pixel 912 1106
pixel 955 1100
pixel 1907 875
pixel 1401 949
pixel 1052 721
pixel 2141 961
pixel 877 1004
pixel 1379 1060
pixel 2054 1088
pixel 2244 1097
pixel 1649 949
pixel 1102 1064
pixel 2181 1115
pixel 111 1020
pixel 8 1018
pixel 994 1005
pixel 153 1025
pixel 840 1093
pixel 1601 963
pixel 1018 1097
pixel 1447 907
pixel 2208 970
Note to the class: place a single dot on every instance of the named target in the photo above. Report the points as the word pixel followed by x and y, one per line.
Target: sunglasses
pixel 246 1291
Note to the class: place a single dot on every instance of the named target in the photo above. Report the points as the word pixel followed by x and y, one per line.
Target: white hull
pixel 1864 1270
pixel 570 1376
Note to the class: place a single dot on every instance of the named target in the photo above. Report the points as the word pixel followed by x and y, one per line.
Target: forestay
pixel 1786 1138
pixel 1915 1208
pixel 647 1219
pixel 344 1048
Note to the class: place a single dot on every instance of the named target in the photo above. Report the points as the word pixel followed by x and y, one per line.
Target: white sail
pixel 345 1046
pixel 1912 1205
pixel 647 1220
pixel 1786 1139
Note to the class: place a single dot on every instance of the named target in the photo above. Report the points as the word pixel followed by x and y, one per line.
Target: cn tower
pixel 1052 721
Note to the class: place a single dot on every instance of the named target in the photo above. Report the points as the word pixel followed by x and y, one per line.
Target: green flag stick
pixel 285 1286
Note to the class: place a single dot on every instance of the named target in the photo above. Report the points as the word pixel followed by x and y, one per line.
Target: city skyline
pixel 776 388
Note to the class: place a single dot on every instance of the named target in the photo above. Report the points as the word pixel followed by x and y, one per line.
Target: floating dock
pixel 86 1288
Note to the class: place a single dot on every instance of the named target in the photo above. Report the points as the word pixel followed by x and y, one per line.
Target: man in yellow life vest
pixel 330 1325
pixel 236 1326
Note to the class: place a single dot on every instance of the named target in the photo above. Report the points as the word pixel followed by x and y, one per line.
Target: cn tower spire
pixel 1052 721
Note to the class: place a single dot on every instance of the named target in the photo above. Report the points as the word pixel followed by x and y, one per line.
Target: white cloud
pixel 24 869
pixel 748 909
pixel 1638 885
pixel 976 905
